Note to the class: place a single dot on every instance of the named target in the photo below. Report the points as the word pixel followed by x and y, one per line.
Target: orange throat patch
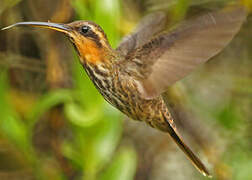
pixel 90 52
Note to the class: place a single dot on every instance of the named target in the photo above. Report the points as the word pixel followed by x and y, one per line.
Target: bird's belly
pixel 153 111
pixel 124 96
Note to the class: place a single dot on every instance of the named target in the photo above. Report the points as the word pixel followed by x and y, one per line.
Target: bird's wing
pixel 170 56
pixel 145 30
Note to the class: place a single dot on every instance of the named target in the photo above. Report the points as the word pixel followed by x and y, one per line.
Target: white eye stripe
pixel 99 32
pixel 95 30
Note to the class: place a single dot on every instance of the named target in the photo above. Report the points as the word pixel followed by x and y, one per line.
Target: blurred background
pixel 55 125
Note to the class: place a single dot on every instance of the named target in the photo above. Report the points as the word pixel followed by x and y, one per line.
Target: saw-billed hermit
pixel 133 76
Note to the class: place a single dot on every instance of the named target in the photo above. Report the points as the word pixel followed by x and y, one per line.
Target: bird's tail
pixel 190 155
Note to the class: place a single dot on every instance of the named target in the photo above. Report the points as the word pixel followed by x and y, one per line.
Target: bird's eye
pixel 85 29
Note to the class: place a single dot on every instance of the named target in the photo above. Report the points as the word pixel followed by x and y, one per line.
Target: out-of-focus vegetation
pixel 55 125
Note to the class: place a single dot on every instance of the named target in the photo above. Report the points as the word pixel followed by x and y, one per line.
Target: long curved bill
pixel 54 26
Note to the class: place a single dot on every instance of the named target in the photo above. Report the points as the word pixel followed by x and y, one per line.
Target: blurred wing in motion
pixel 170 56
pixel 149 26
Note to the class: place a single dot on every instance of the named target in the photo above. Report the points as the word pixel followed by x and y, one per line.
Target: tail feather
pixel 190 155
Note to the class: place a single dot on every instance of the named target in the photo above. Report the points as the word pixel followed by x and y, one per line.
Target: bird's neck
pixel 94 55
pixel 97 61
pixel 100 71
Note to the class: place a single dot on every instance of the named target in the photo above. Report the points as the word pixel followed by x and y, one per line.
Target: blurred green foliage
pixel 5 4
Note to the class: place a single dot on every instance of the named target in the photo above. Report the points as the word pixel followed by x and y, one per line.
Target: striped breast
pixel 103 79
pixel 122 93
pixel 109 82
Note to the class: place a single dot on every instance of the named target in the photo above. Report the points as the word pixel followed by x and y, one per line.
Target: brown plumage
pixel 133 77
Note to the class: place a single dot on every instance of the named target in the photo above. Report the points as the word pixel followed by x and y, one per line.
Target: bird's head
pixel 88 38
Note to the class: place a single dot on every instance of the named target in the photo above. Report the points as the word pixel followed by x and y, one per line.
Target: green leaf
pixel 11 124
pixel 228 117
pixel 123 167
pixel 101 141
pixel 78 116
pixel 180 9
pixel 14 129
pixel 107 15
pixel 5 4
pixel 47 102
pixel 109 135
pixel 81 9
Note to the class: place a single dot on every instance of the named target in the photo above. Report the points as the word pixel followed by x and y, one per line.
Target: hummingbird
pixel 133 77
